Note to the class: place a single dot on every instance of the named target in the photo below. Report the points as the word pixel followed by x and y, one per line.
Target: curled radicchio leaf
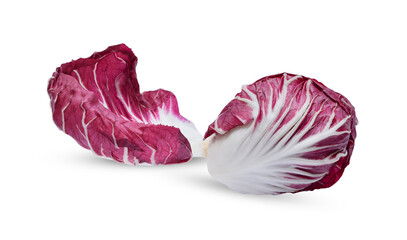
pixel 283 133
pixel 97 101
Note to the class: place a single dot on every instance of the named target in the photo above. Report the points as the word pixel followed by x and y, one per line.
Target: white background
pixel 51 188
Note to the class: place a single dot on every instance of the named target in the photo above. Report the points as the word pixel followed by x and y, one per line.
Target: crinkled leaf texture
pixel 282 134
pixel 97 101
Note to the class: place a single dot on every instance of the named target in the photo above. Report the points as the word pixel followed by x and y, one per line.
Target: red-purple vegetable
pixel 283 133
pixel 97 101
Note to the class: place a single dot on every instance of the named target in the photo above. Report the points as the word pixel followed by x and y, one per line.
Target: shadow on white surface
pixel 194 175
pixel 210 184
pixel 90 159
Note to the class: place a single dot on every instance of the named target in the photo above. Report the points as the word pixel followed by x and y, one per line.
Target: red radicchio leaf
pixel 97 101
pixel 283 133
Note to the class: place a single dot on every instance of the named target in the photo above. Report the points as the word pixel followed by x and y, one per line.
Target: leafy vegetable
pixel 283 133
pixel 97 101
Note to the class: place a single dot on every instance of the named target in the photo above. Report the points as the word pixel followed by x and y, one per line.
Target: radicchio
pixel 97 101
pixel 283 133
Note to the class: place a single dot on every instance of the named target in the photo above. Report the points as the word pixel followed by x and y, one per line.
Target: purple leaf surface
pixel 97 101
pixel 283 133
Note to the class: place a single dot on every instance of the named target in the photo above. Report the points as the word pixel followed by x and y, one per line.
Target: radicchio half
pixel 283 133
pixel 97 101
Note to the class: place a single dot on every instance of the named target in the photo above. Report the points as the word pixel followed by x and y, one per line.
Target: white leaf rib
pixel 293 125
pixel 328 124
pixel 240 119
pixel 126 156
pixel 114 138
pixel 152 157
pixel 80 131
pixel 263 139
pixel 216 126
pixel 80 79
pixel 274 113
pixel 169 152
pixel 269 133
pixel 311 140
pixel 291 79
pixel 97 85
pixel 279 138
pixel 308 127
pixel 55 101
pixel 101 150
pixel 63 116
pixel 119 58
pixel 313 149
pixel 85 127
pixel 270 103
pixel 271 162
pixel 136 161
pixel 126 104
pixel 245 100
